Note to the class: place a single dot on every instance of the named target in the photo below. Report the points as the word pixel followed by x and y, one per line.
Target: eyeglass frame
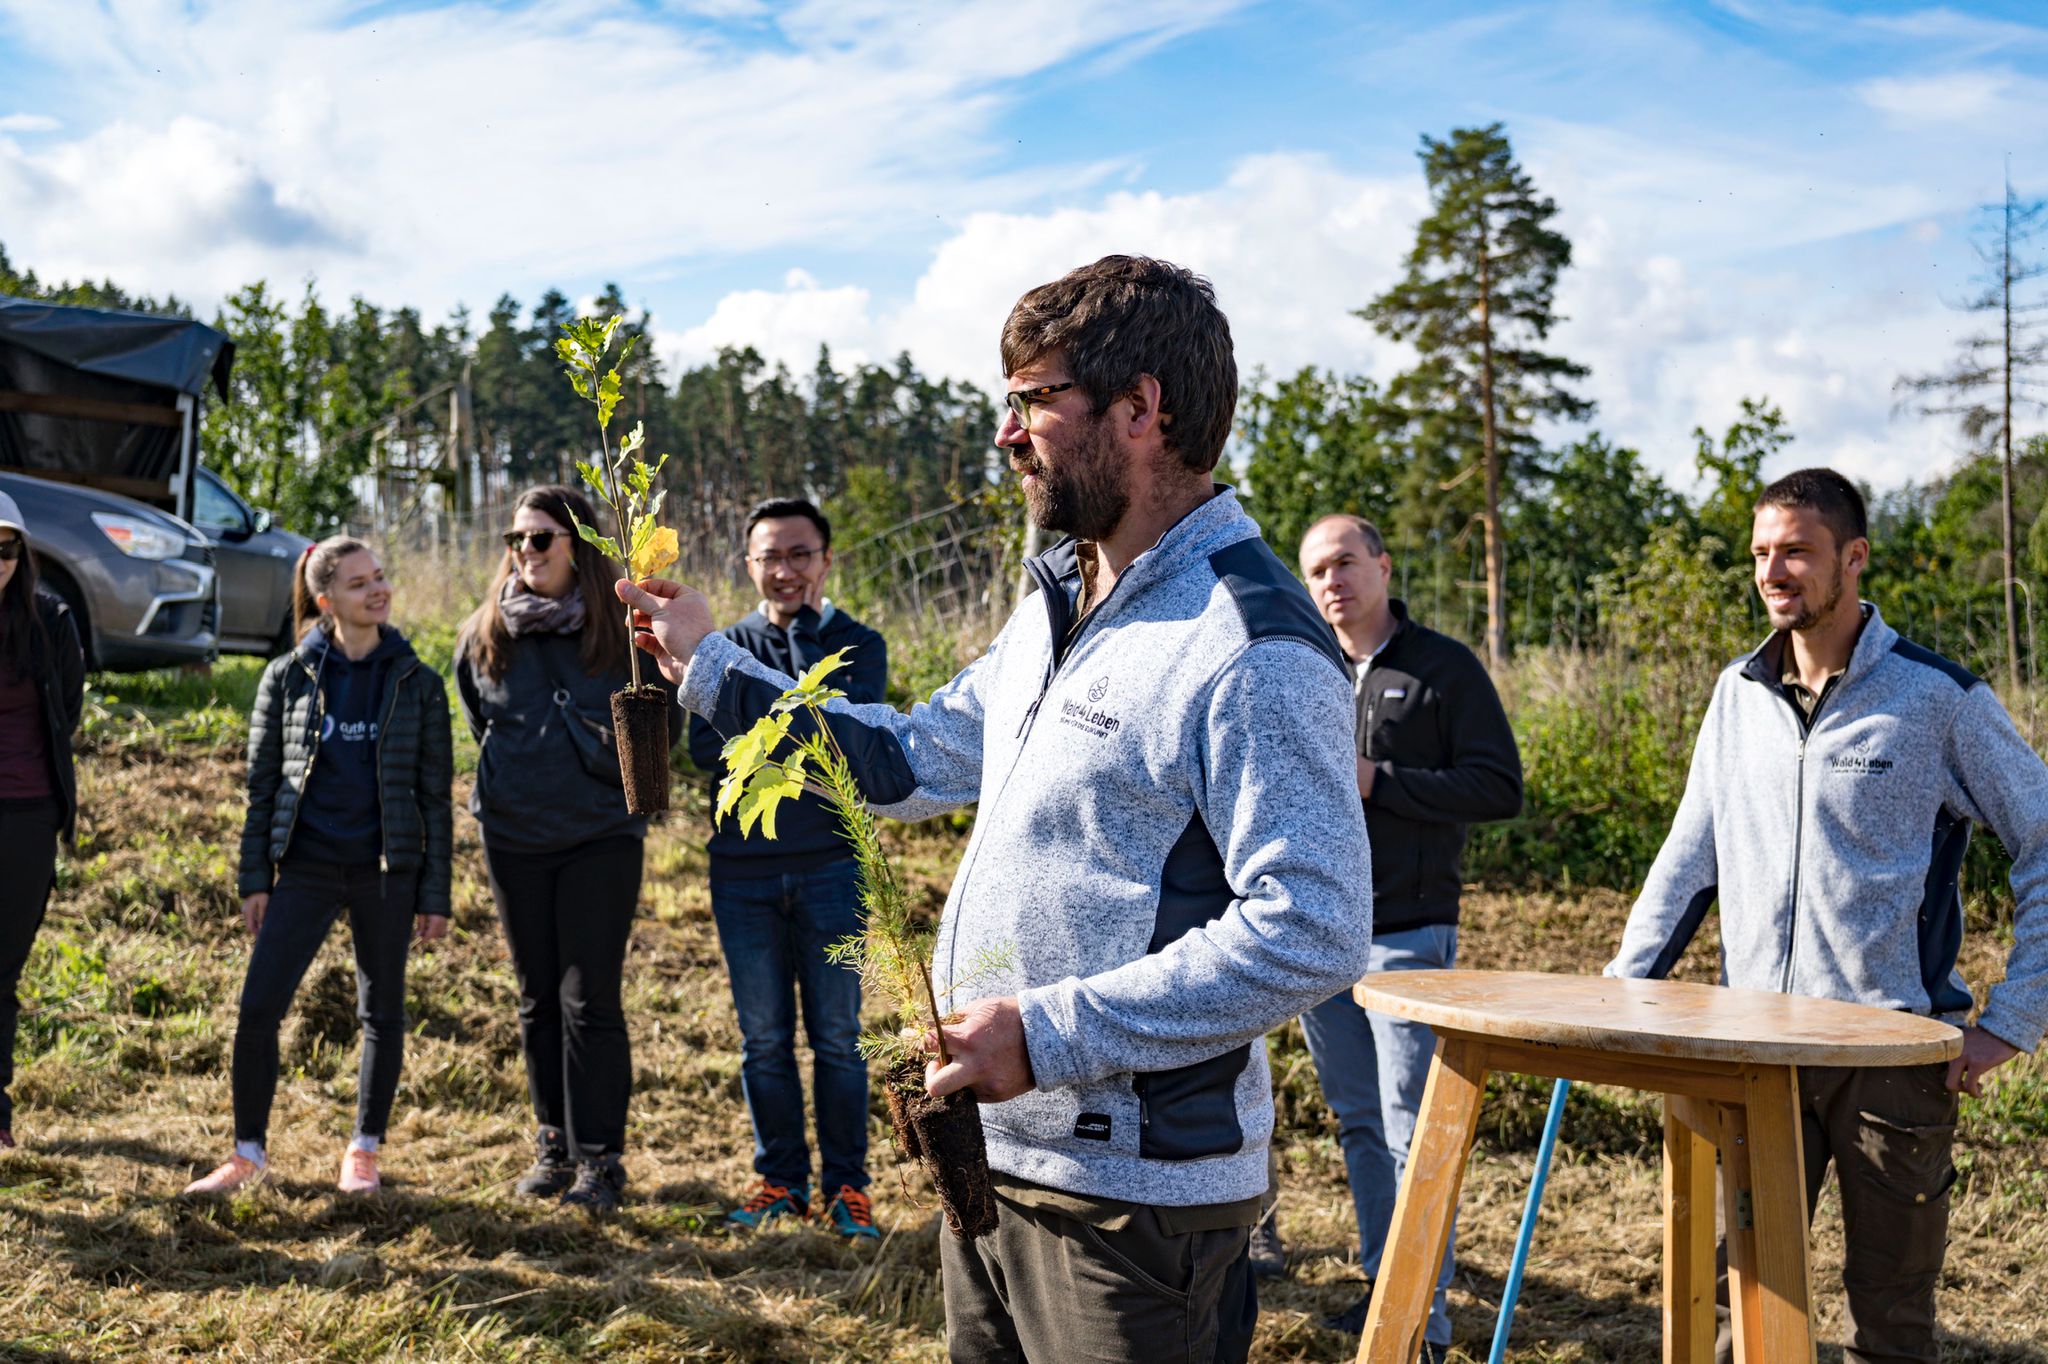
pixel 1021 401
pixel 516 540
pixel 13 550
pixel 773 557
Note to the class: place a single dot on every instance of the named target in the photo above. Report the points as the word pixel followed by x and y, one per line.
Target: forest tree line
pixel 1511 516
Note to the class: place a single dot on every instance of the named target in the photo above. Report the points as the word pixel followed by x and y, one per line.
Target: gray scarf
pixel 528 613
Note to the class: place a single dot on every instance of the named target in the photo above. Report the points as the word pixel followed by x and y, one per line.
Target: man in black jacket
pixel 780 904
pixel 1435 754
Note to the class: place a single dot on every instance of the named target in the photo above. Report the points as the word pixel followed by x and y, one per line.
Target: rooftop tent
pixel 91 395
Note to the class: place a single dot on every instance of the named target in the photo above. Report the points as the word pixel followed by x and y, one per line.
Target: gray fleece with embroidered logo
pixel 1169 845
pixel 1835 850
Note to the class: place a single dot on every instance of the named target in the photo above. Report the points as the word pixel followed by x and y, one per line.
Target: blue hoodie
pixel 1170 851
pixel 340 819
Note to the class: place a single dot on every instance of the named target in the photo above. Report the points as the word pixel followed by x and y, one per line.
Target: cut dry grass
pixel 123 1096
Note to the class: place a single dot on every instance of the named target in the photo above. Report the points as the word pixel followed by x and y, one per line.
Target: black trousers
pixel 309 896
pixel 28 868
pixel 567 916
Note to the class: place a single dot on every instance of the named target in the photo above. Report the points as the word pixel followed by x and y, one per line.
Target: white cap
pixel 10 515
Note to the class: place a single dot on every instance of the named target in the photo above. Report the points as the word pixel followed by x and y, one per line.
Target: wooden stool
pixel 1725 1060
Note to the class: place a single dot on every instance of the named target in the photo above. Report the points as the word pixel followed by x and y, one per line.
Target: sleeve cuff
pixel 699 691
pixel 1045 1011
pixel 2009 1029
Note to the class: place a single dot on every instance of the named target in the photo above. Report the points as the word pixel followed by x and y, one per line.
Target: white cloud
pixel 1951 97
pixel 787 326
pixel 29 123
pixel 438 155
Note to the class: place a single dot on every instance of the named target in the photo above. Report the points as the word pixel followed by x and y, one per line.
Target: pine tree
pixel 1994 372
pixel 1476 300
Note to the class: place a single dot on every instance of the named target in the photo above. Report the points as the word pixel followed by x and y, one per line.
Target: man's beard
pixel 1087 494
pixel 1813 614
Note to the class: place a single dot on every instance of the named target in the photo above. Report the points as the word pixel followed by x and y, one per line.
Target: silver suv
pixel 255 560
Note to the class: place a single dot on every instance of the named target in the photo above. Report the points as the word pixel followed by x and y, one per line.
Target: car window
pixel 215 507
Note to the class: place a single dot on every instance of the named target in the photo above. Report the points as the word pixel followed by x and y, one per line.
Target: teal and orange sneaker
pixel 769 1201
pixel 852 1215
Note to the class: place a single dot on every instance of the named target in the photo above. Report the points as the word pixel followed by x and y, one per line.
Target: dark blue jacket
pixel 339 820
pixel 807 832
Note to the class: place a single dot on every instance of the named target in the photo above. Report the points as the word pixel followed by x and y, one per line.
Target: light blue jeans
pixel 1373 1069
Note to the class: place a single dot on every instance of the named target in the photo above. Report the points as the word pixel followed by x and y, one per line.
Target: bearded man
pixel 1170 853
pixel 1833 785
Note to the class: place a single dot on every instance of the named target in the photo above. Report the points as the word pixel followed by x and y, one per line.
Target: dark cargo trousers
pixel 1888 1131
pixel 1047 1288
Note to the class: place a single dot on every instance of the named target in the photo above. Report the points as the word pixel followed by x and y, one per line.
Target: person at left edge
pixel 42 688
pixel 781 903
pixel 535 668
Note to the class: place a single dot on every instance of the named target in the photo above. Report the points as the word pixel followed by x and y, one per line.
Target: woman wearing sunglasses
pixel 535 667
pixel 349 772
pixel 42 685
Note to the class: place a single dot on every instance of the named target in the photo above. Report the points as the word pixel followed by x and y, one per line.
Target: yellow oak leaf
pixel 658 551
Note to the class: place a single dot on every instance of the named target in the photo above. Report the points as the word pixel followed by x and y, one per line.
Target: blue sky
pixel 1765 197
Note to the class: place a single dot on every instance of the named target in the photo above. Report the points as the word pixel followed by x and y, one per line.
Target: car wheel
pixel 61 583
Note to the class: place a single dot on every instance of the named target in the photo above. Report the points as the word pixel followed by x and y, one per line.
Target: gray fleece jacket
pixel 1169 845
pixel 1835 849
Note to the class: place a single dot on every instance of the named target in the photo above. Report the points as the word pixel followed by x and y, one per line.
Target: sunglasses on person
pixel 539 541
pixel 1023 400
pixel 10 550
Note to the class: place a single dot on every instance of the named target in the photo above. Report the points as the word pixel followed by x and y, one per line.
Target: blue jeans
pixel 774 931
pixel 1373 1069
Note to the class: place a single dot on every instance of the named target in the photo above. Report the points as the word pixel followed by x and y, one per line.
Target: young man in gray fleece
pixel 1833 785
pixel 1169 842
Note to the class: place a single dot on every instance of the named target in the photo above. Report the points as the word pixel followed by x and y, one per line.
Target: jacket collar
pixel 1765 664
pixel 1218 522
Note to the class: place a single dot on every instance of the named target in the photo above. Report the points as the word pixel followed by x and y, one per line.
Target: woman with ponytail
pixel 42 686
pixel 535 668
pixel 349 773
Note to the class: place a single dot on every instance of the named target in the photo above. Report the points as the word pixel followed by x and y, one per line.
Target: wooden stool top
pixel 1660 1018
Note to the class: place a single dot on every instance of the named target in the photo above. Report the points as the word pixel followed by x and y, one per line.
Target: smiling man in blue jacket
pixel 1833 785
pixel 1169 844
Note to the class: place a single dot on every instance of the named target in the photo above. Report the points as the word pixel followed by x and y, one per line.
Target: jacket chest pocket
pixel 1398 716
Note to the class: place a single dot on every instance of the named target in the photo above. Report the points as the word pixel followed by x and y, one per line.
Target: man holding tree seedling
pixel 780 904
pixel 1435 754
pixel 1169 854
pixel 1833 785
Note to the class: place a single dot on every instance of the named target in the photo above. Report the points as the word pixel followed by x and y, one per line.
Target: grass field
pixel 123 1095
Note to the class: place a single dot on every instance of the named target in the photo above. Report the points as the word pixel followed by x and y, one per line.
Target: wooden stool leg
pixel 1779 1270
pixel 1688 1242
pixel 1429 1196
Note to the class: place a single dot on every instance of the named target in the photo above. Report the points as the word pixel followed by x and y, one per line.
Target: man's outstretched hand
pixel 987 1054
pixel 669 621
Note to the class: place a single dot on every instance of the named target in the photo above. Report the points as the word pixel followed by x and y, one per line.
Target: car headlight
pixel 143 539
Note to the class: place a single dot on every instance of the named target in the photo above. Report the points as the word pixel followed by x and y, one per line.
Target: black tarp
pixel 109 357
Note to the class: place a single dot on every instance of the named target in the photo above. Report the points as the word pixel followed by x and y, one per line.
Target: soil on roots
pixel 640 720
pixel 944 1136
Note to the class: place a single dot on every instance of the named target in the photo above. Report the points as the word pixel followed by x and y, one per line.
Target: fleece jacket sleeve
pixel 909 766
pixel 1279 797
pixel 1685 877
pixel 2003 783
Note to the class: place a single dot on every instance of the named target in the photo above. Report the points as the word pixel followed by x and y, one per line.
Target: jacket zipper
pixel 1806 723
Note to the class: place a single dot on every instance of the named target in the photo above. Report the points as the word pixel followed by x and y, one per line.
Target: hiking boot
pixel 769 1201
pixel 358 1171
pixel 599 1185
pixel 852 1215
pixel 1268 1251
pixel 552 1171
pixel 228 1176
pixel 1351 1321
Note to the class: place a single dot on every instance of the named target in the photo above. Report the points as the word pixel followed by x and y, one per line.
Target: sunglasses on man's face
pixel 539 541
pixel 10 550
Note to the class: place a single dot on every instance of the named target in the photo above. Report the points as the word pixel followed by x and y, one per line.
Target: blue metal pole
pixel 1513 1291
